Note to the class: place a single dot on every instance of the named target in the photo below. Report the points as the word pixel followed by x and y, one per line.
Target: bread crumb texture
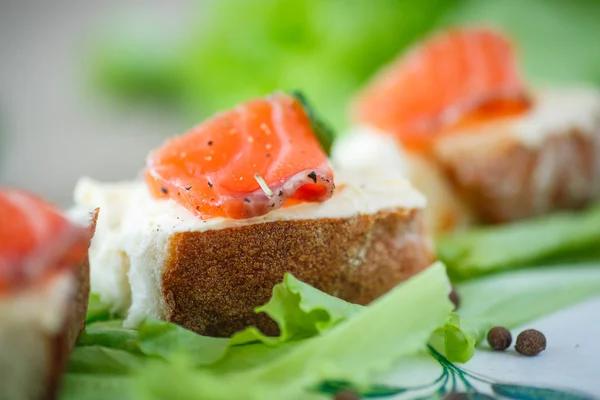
pixel 214 279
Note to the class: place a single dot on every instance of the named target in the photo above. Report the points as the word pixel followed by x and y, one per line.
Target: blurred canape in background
pixel 88 89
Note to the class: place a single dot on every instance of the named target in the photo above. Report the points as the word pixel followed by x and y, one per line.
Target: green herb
pixel 323 131
pixel 456 342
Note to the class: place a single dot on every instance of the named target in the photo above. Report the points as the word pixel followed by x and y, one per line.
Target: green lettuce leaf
pixel 98 387
pixel 300 310
pixel 556 237
pixel 517 297
pixel 107 349
pixel 349 343
pixel 104 360
pixel 109 334
pixel 511 299
pixel 353 350
pixel 170 341
pixel 97 311
pixel 322 338
pixel 248 356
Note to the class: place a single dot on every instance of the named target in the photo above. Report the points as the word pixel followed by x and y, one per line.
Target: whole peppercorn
pixel 346 395
pixel 499 338
pixel 530 342
pixel 454 298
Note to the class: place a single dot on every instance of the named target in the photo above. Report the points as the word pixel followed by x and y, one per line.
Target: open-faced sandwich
pixel 454 115
pixel 44 290
pixel 230 206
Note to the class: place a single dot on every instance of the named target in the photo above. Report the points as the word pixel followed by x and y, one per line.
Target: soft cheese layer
pixel 133 230
pixel 30 320
pixel 554 112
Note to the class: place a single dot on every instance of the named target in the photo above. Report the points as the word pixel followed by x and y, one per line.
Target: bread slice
pixel 40 326
pixel 549 161
pixel 545 160
pixel 208 276
pixel 212 280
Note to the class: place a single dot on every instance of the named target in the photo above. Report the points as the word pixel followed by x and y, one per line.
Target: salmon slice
pixel 244 162
pixel 459 77
pixel 36 240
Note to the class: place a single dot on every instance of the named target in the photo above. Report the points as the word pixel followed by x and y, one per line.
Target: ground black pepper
pixel 210 143
pixel 313 176
pixel 530 342
pixel 210 185
pixel 164 190
pixel 188 188
pixel 247 200
pixel 499 338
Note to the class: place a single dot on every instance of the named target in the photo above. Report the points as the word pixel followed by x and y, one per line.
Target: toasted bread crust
pixel 213 280
pixel 62 343
pixel 503 179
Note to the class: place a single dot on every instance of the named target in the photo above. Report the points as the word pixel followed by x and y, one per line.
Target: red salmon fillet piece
pixel 462 74
pixel 36 240
pixel 243 163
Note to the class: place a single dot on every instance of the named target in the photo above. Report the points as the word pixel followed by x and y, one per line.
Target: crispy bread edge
pixel 61 344
pixel 213 280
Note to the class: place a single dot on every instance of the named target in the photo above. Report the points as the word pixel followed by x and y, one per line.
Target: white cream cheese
pixel 133 230
pixel 43 307
pixel 30 320
pixel 365 148
pixel 555 111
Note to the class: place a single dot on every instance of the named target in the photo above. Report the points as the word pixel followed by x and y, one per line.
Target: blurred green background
pixel 88 88
pixel 237 49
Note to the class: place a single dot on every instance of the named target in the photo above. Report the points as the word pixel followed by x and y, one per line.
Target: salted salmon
pixel 244 162
pixel 457 77
pixel 36 240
